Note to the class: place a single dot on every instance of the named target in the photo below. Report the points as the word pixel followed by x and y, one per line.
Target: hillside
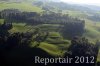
pixel 83 12
pixel 91 28
pixel 43 16
pixel 87 12
pixel 22 6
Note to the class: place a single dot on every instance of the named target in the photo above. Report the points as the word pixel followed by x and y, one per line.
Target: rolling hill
pixel 92 27
pixel 22 6
pixel 89 13
pixel 81 11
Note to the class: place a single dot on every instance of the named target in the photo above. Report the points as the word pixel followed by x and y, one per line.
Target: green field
pixel 28 7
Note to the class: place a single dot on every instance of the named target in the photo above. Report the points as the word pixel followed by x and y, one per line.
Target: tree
pixel 81 47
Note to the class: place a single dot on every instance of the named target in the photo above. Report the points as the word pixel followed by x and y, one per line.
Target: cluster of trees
pixel 4 29
pixel 72 26
pixel 82 48
pixel 73 29
pixel 15 48
pixel 33 17
pixel 95 17
pixel 6 12
pixel 7 45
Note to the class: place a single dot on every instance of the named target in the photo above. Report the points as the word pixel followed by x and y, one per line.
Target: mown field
pixel 23 6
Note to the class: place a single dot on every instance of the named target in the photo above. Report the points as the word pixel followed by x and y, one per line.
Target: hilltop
pixel 20 4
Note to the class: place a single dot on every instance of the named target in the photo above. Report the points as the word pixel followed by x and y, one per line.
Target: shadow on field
pixel 22 56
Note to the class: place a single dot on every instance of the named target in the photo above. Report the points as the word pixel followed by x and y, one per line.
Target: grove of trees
pixel 71 26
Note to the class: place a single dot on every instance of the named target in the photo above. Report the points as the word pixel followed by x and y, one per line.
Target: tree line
pixel 71 26
pixel 82 49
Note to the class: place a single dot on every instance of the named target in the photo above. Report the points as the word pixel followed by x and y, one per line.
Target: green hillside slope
pixel 21 6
